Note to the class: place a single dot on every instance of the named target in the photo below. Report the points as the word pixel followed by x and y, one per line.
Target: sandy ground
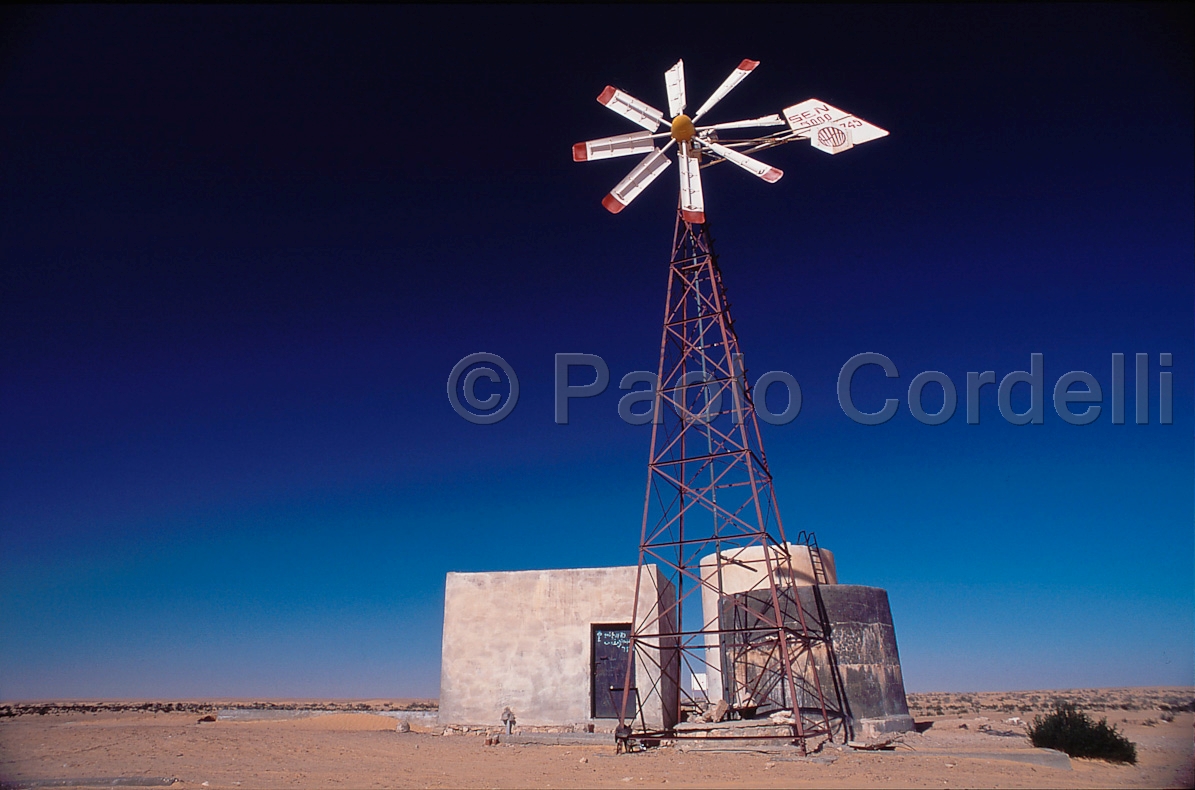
pixel 365 750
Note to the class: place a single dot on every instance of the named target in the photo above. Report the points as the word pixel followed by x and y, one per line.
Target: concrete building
pixel 552 645
pixel 547 644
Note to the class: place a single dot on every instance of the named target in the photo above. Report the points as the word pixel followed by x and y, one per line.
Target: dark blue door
pixel 611 654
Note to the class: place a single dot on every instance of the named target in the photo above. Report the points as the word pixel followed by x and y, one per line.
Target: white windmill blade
pixel 828 128
pixel 631 108
pixel 767 120
pixel 610 147
pixel 752 166
pixel 736 76
pixel 692 202
pixel 674 82
pixel 637 180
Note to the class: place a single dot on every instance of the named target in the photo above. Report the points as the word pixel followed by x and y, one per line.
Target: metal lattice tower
pixel 709 493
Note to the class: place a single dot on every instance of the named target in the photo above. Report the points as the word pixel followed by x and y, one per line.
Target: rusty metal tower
pixel 709 498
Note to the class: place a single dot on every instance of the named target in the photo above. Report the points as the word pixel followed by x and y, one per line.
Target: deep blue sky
pixel 242 249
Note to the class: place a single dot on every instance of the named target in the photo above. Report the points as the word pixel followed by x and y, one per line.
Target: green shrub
pixel 1070 730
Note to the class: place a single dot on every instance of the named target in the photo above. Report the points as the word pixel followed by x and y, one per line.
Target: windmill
pixel 764 648
pixel 827 128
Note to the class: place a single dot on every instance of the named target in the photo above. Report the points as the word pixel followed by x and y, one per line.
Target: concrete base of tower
pixel 874 729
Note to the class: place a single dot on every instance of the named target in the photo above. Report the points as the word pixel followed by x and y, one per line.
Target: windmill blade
pixel 736 76
pixel 767 120
pixel 752 166
pixel 610 147
pixel 692 202
pixel 637 180
pixel 631 108
pixel 674 82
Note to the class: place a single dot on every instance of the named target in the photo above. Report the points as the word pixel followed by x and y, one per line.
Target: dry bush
pixel 1070 730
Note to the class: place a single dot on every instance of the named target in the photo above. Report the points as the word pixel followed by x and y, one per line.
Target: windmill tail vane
pixel 827 128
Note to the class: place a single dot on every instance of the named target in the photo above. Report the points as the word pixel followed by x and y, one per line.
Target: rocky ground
pixel 345 746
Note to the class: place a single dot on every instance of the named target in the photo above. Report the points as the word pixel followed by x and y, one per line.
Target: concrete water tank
pixel 859 621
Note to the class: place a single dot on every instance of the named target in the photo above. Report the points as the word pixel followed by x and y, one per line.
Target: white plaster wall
pixel 522 640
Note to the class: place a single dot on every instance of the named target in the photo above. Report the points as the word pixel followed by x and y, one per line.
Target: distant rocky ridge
pixel 1163 698
pixel 198 706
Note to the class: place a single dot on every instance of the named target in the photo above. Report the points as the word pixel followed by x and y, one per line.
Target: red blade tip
pixel 611 204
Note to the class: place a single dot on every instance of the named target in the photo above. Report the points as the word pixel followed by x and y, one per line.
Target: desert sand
pixel 356 744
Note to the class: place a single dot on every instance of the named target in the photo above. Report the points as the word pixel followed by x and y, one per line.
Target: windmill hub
pixel 683 129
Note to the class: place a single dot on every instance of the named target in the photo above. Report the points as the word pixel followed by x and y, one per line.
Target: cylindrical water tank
pixel 865 665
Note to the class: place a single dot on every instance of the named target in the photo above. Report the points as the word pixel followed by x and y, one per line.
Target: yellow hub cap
pixel 683 129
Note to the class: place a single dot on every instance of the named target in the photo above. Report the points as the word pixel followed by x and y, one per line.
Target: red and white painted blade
pixel 828 128
pixel 752 166
pixel 637 180
pixel 767 120
pixel 736 76
pixel 631 108
pixel 692 202
pixel 674 83
pixel 610 147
